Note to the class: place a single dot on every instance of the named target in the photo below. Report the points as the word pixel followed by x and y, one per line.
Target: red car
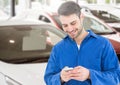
pixel 99 27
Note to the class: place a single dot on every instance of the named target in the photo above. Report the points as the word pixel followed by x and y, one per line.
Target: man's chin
pixel 72 37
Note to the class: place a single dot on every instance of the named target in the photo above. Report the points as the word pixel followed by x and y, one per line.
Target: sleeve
pixel 110 68
pixel 52 73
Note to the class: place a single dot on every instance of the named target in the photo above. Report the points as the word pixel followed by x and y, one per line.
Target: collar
pixel 91 34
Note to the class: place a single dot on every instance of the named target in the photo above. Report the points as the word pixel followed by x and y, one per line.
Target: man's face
pixel 71 25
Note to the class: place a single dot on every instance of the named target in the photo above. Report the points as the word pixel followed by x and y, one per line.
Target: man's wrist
pixel 61 80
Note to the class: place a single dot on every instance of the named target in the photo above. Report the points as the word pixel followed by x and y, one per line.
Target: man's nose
pixel 70 28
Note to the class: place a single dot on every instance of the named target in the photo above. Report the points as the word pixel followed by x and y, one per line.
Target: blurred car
pixel 24 50
pixel 107 13
pixel 100 27
pixel 91 22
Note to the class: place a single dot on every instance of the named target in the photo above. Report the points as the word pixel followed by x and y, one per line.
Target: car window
pixel 25 44
pixel 97 27
pixel 43 18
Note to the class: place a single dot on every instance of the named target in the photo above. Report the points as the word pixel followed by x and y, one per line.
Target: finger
pixel 78 67
pixel 66 74
pixel 76 75
pixel 78 78
pixel 76 71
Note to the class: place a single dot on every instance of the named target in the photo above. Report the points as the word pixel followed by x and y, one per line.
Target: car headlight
pixel 6 80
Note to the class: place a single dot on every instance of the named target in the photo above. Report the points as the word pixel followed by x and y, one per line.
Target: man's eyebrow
pixel 73 21
pixel 64 24
pixel 70 22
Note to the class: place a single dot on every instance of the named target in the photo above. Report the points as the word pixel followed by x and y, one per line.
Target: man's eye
pixel 73 23
pixel 64 25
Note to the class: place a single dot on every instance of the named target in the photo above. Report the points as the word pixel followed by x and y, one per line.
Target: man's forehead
pixel 68 19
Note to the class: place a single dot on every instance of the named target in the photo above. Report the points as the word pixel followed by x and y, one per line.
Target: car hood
pixel 115 37
pixel 115 40
pixel 116 25
pixel 26 74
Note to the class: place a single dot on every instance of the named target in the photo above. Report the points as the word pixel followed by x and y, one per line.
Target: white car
pixel 24 50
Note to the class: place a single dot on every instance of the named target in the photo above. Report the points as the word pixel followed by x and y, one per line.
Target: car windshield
pixel 107 17
pixel 26 44
pixel 97 27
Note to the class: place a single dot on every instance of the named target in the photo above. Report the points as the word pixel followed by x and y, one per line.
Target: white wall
pixel 100 1
pixel 23 5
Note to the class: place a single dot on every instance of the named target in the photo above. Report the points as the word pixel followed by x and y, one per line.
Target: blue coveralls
pixel 96 54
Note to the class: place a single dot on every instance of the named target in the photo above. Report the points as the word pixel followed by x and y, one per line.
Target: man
pixel 91 58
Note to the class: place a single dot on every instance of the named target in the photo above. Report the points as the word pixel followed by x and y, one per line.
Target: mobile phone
pixel 67 68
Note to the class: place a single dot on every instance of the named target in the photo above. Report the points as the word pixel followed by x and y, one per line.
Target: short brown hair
pixel 68 8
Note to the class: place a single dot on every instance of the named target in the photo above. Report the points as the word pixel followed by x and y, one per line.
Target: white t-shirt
pixel 78 47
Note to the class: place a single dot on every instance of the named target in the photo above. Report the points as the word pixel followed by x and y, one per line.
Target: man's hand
pixel 78 73
pixel 65 74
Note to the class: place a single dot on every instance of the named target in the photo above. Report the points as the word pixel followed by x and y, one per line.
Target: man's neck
pixel 81 37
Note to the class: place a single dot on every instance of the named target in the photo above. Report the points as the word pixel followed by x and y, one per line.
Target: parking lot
pixel 29 29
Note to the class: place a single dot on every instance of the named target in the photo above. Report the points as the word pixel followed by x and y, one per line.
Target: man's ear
pixel 81 16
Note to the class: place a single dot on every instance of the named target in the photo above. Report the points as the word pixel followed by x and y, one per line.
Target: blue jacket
pixel 96 54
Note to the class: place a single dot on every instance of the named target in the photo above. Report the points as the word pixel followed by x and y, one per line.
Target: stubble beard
pixel 79 33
